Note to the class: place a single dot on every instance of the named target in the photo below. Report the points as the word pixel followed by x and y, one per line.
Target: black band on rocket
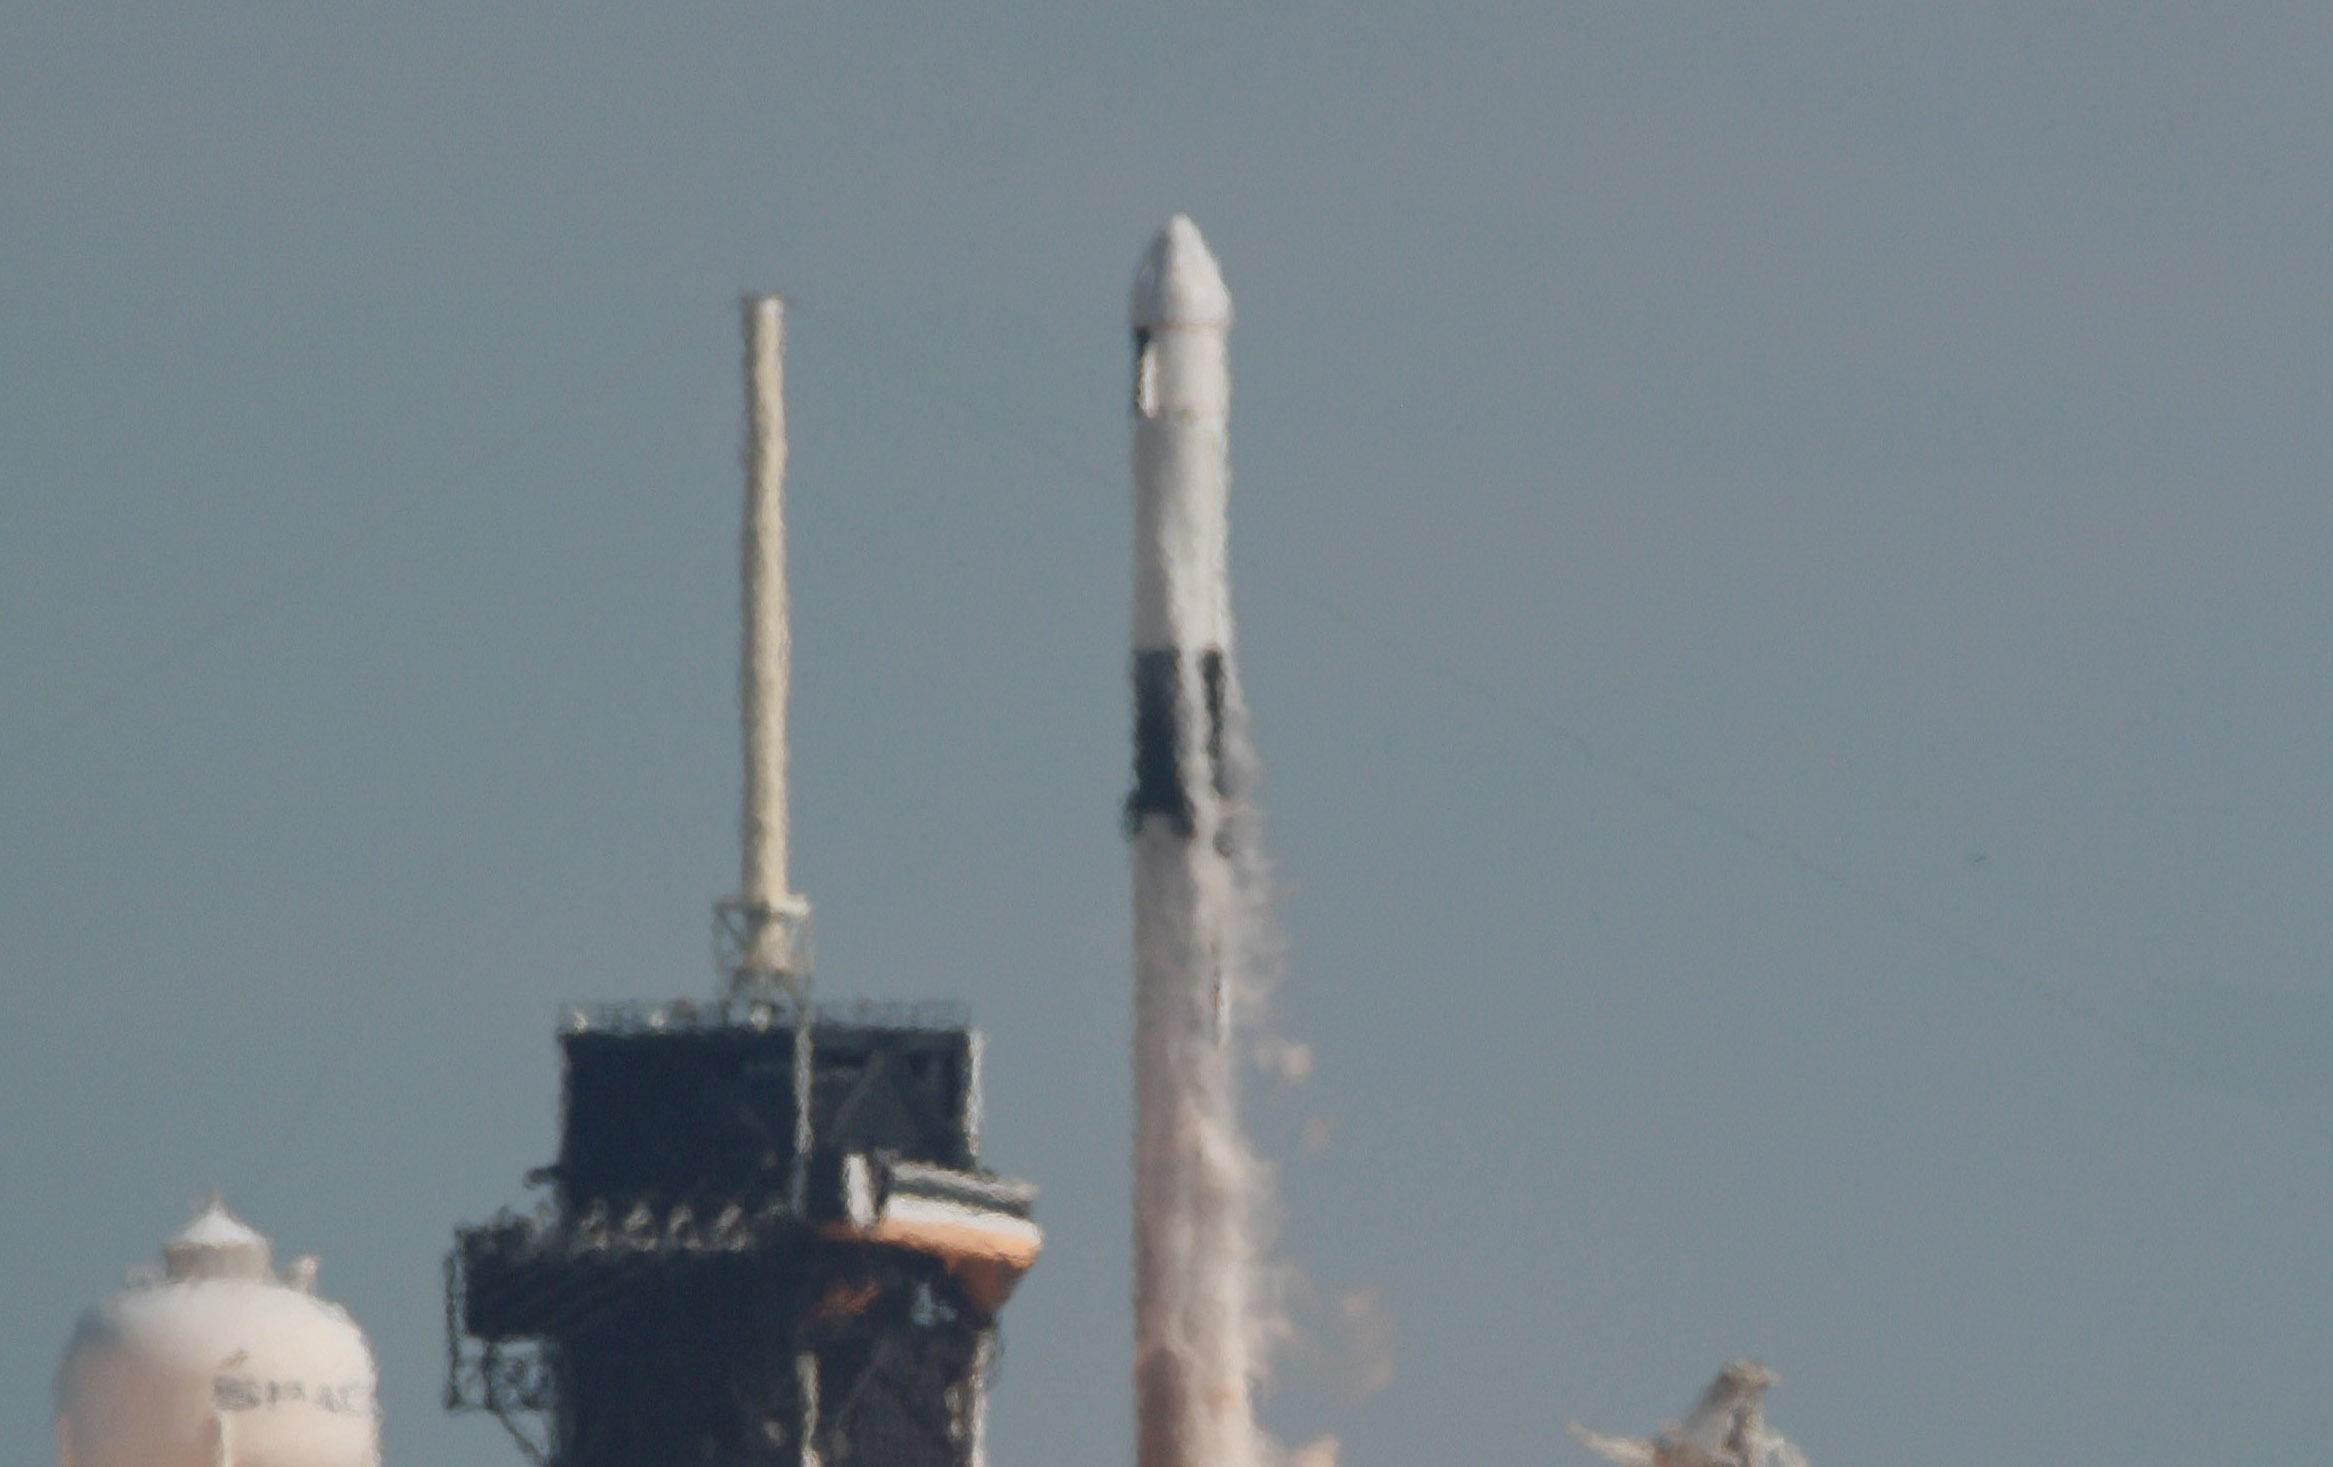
pixel 1158 762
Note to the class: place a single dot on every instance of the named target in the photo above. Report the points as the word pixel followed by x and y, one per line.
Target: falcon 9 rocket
pixel 1194 1177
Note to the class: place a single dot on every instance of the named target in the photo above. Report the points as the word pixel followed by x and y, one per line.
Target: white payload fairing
pixel 1193 1175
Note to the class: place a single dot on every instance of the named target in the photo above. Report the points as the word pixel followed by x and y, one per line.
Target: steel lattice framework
pixel 767 1240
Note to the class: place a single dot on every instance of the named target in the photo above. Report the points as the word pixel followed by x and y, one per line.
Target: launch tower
pixel 767 1238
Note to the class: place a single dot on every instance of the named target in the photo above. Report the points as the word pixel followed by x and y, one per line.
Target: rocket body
pixel 1193 1367
pixel 1181 317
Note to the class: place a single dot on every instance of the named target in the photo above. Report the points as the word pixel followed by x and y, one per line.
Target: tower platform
pixel 767 1239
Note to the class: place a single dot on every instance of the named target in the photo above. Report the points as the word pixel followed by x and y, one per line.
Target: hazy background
pixel 1783 559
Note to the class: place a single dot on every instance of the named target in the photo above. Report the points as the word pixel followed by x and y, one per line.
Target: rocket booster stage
pixel 1193 1175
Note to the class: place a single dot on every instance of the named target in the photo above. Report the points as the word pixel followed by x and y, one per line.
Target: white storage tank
pixel 216 1360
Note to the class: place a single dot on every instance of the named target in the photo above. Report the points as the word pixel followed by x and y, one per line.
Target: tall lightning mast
pixel 763 932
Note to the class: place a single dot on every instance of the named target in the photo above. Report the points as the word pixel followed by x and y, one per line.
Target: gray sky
pixel 1782 553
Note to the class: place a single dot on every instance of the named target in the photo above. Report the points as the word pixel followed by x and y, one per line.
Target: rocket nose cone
pixel 1179 283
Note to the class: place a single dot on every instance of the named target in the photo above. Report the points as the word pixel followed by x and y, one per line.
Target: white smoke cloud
pixel 1726 1428
pixel 1313 1140
pixel 1369 1340
pixel 1319 1452
pixel 1342 1344
pixel 1284 1062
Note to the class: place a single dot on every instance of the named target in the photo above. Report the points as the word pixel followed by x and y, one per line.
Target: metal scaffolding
pixel 767 1240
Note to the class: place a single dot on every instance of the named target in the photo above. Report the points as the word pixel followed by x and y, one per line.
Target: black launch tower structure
pixel 767 1240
